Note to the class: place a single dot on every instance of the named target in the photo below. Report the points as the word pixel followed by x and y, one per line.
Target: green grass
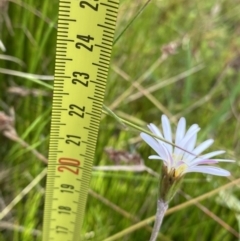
pixel 207 35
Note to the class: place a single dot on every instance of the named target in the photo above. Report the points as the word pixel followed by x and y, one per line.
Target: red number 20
pixel 69 162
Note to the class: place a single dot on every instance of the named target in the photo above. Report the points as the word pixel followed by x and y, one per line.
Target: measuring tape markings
pixel 83 50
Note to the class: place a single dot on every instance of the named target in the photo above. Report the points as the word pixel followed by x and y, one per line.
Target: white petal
pixel 211 154
pixel 167 132
pixel 197 162
pixel 224 160
pixel 180 132
pixel 156 146
pixel 203 146
pixel 155 157
pixel 189 146
pixel 155 130
pixel 178 152
pixel 191 143
pixel 209 170
pixel 192 128
pixel 199 149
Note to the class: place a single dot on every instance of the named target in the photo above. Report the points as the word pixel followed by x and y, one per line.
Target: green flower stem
pixel 189 203
pixel 122 121
pixel 131 21
pixel 107 111
pixel 169 184
pixel 161 210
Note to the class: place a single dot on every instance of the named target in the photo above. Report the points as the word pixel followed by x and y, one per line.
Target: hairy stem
pixel 161 210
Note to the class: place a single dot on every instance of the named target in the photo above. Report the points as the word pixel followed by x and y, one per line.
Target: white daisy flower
pixel 188 158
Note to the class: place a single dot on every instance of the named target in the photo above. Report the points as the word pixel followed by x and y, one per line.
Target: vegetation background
pixel 179 57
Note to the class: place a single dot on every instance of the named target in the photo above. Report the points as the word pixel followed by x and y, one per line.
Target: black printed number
pixel 61 229
pixel 64 210
pixel 76 74
pixel 84 3
pixel 67 188
pixel 85 38
pixel 73 139
pixel 76 110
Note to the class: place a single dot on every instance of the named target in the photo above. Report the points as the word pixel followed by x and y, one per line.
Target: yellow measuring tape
pixel 84 44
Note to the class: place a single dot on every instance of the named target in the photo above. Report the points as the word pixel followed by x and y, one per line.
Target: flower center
pixel 180 169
